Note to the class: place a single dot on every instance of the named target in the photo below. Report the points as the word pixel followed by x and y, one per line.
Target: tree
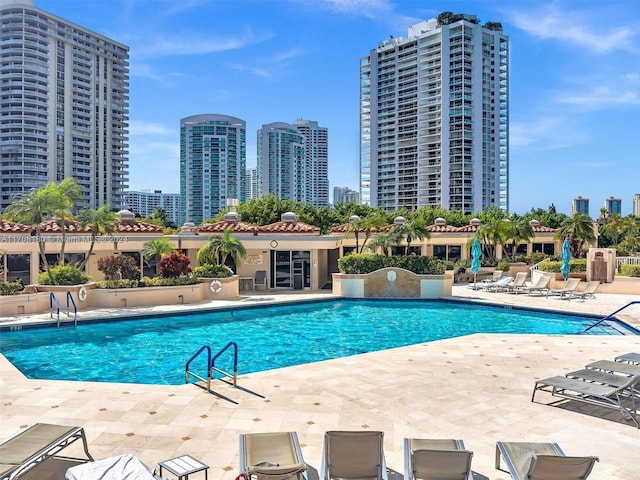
pixel 578 228
pixel 366 225
pixel 411 230
pixel 220 248
pixel 101 221
pixel 156 249
pixel 520 230
pixel 385 241
pixel 492 234
pixel 63 199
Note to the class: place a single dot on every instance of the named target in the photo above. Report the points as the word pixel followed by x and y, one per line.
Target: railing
pixel 53 301
pixel 610 316
pixel 233 376
pixel 75 309
pixel 627 261
pixel 188 372
pixel 211 365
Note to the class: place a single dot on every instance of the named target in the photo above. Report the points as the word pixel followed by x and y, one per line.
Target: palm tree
pixel 220 248
pixel 366 225
pixel 491 234
pixel 101 221
pixel 578 228
pixel 411 230
pixel 64 197
pixel 520 231
pixel 384 241
pixel 156 249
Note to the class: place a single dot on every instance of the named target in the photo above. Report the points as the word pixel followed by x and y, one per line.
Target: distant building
pixel 580 205
pixel 145 202
pixel 317 150
pixel 636 204
pixel 613 205
pixel 64 98
pixel 251 187
pixel 345 194
pixel 212 165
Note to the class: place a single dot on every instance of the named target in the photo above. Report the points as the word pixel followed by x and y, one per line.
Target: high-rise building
pixel 613 205
pixel 345 194
pixel 283 167
pixel 317 148
pixel 64 97
pixel 580 205
pixel 251 188
pixel 434 110
pixel 212 164
pixel 636 204
pixel 144 203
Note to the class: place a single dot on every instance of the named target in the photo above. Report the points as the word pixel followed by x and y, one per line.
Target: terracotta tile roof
pixel 220 227
pixel 54 226
pixel 134 226
pixel 289 227
pixel 543 229
pixel 344 227
pixel 466 228
pixel 12 227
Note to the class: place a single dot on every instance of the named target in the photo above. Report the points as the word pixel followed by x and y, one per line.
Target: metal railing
pixel 75 309
pixel 53 301
pixel 610 316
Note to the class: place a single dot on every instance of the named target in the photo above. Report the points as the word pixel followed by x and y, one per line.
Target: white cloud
pixel 141 128
pixel 256 71
pixel 546 133
pixel 602 97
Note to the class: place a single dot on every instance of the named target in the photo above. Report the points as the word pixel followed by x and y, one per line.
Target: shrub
pixel 175 265
pixel 168 281
pixel 361 263
pixel 124 265
pixel 503 266
pixel 627 270
pixel 123 283
pixel 64 275
pixel 11 288
pixel 578 265
pixel 212 271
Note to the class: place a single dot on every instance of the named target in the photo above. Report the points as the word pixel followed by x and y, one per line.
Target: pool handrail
pixel 214 369
pixel 75 309
pixel 610 316
pixel 54 301
pixel 187 372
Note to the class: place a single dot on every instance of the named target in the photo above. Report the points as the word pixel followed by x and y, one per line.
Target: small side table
pixel 183 466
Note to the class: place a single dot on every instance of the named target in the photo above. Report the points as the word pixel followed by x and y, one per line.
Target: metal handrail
pixel 610 316
pixel 213 368
pixel 75 309
pixel 187 372
pixel 54 301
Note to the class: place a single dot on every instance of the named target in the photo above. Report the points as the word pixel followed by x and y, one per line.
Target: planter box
pixel 24 304
pixel 392 283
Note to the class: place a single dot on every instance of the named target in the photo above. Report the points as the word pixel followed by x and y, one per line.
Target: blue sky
pixel 575 81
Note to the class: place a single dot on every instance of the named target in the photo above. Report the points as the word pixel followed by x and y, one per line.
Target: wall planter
pixel 221 288
pixel 392 283
pixel 24 304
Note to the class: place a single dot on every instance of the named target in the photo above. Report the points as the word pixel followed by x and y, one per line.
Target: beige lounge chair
pixel 588 291
pixel 519 282
pixel 541 461
pixel 630 357
pixel 353 456
pixel 568 288
pixel 31 447
pixel 541 286
pixel 272 456
pixel 504 282
pixel 435 459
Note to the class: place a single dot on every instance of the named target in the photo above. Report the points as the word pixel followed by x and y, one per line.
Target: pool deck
pixel 476 388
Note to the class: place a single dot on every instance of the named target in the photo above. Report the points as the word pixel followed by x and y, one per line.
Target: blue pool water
pixel 155 349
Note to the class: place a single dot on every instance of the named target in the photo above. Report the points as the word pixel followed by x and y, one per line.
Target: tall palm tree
pixel 366 225
pixel 492 234
pixel 101 221
pixel 578 228
pixel 412 230
pixel 220 248
pixel 520 231
pixel 156 249
pixel 384 241
pixel 64 197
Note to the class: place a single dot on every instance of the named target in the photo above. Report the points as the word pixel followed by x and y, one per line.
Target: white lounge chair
pixel 541 286
pixel 567 289
pixel 272 456
pixel 588 291
pixel 353 456
pixel 494 286
pixel 434 459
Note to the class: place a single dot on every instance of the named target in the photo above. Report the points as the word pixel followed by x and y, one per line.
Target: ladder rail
pixel 188 372
pixel 53 301
pixel 610 316
pixel 75 308
pixel 214 369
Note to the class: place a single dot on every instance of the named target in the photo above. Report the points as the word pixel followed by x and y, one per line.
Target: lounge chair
pixel 630 357
pixel 118 467
pixel 519 282
pixel 38 443
pixel 431 459
pixel 588 291
pixel 353 455
pixel 541 286
pixel 275 456
pixel 494 286
pixel 569 287
pixel 541 461
pixel 624 398
pixel 260 280
pixel 615 367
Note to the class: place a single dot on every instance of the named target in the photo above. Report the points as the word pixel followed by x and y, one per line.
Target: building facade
pixel 251 188
pixel 144 203
pixel 317 149
pixel 212 165
pixel 580 205
pixel 283 167
pixel 345 194
pixel 64 98
pixel 636 204
pixel 613 205
pixel 434 111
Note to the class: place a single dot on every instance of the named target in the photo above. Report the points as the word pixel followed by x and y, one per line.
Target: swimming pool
pixel 155 349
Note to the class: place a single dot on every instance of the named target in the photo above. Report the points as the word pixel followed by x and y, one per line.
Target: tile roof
pixel 220 227
pixel 129 226
pixel 289 227
pixel 12 227
pixel 54 226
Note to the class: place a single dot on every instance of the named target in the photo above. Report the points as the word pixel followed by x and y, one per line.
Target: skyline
pixel 574 87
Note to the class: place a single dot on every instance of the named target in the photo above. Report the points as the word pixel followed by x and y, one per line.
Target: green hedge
pixel 361 263
pixel 168 282
pixel 212 271
pixel 578 265
pixel 64 275
pixel 11 288
pixel 627 270
pixel 123 283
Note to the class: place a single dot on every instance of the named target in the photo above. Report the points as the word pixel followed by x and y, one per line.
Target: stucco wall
pixel 392 283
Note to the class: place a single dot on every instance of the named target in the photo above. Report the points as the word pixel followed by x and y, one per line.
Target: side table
pixel 183 466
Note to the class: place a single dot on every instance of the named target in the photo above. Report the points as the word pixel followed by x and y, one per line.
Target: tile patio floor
pixel 477 388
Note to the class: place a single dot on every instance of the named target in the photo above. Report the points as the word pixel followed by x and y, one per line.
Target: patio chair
pixel 272 456
pixel 504 282
pixel 31 447
pixel 434 459
pixel 588 291
pixel 260 280
pixel 541 286
pixel 630 357
pixel 350 455
pixel 537 461
pixel 569 287
pixel 519 282
pixel 497 275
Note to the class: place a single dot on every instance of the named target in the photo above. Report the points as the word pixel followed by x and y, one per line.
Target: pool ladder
pixel 610 316
pixel 53 304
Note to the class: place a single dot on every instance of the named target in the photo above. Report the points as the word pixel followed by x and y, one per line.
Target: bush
pixel 361 263
pixel 11 288
pixel 168 281
pixel 64 275
pixel 503 266
pixel 578 265
pixel 123 283
pixel 124 265
pixel 627 270
pixel 175 265
pixel 212 271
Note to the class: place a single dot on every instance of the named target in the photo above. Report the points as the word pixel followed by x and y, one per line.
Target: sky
pixel 574 81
